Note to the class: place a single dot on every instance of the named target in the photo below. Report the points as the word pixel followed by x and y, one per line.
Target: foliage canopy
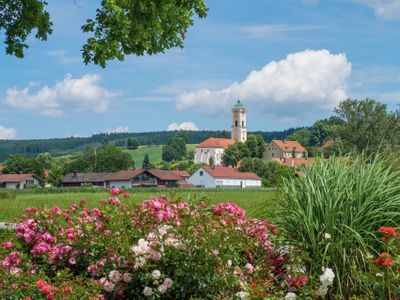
pixel 120 27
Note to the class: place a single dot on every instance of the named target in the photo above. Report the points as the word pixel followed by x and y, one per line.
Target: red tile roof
pixel 181 173
pixel 125 175
pixel 295 162
pixel 216 143
pixel 228 172
pixel 15 177
pixel 289 146
pixel 166 175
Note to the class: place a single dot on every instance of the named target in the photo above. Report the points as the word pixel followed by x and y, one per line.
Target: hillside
pixel 63 146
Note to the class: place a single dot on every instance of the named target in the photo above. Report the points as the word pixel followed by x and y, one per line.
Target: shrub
pixel 332 212
pixel 160 249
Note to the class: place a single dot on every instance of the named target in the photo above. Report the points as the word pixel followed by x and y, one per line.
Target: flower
pixel 243 295
pixel 115 276
pixel 384 259
pixel 327 236
pixel 156 274
pixel 290 296
pixel 249 268
pixel 168 282
pixel 107 232
pixel 162 288
pixel 127 277
pixel 388 231
pixel 147 291
pixel 326 280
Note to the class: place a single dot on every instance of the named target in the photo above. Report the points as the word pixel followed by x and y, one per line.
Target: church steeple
pixel 239 124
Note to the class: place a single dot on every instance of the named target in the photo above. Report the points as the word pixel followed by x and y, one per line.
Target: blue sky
pixel 289 61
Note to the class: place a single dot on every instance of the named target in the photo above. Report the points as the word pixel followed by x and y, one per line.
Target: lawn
pixel 257 203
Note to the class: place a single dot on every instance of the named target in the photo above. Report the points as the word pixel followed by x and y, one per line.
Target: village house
pixel 215 147
pixel 18 181
pixel 80 179
pixel 148 178
pixel 223 177
pixel 284 149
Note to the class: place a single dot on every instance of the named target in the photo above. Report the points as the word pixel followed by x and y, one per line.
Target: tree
pixel 146 165
pixel 18 164
pixel 367 125
pixel 111 159
pixel 224 134
pixel 132 143
pixel 234 153
pixel 211 162
pixel 175 149
pixel 120 27
pixel 256 145
pixel 304 136
pixel 56 175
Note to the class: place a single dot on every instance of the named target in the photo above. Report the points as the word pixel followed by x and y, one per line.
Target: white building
pixel 239 123
pixel 215 147
pixel 223 177
pixel 212 147
pixel 18 181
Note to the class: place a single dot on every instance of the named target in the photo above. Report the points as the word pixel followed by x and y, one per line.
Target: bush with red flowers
pixel 384 268
pixel 160 249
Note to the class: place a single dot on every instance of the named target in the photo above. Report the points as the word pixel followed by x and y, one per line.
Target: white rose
pixel 290 296
pixel 147 291
pixel 156 274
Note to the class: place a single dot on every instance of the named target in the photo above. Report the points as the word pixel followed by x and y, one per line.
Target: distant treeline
pixel 61 146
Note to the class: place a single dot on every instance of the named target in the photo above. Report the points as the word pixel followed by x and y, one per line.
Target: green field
pixel 257 203
pixel 154 152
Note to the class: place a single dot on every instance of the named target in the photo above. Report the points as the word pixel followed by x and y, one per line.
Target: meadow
pixel 258 203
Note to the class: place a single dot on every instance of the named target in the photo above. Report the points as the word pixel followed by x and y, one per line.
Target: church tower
pixel 239 123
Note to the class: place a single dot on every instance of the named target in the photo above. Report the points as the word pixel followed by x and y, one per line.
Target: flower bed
pixel 159 249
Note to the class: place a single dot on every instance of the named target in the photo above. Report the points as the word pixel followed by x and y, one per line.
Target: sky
pixel 290 62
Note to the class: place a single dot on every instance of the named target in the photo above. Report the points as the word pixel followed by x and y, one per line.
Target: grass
pixel 257 203
pixel 154 152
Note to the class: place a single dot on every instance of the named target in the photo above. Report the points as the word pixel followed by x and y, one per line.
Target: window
pixel 236 123
pixel 201 173
pixel 272 154
pixel 29 182
pixel 242 123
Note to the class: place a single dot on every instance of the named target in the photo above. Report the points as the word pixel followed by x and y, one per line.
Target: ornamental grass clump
pixel 332 213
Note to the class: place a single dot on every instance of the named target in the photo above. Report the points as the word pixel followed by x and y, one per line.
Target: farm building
pixel 18 181
pixel 223 177
pixel 79 179
pixel 148 178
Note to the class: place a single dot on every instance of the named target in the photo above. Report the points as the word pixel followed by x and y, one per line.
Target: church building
pixel 212 149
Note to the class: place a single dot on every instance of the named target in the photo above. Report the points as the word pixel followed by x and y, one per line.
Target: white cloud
pixel 384 9
pixel 189 126
pixel 119 129
pixel 303 83
pixel 7 133
pixel 63 56
pixel 68 95
pixel 275 30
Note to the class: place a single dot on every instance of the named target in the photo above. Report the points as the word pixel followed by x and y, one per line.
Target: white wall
pixel 22 184
pixel 203 155
pixel 205 180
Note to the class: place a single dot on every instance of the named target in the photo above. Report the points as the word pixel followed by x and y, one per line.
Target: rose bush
pixel 160 249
